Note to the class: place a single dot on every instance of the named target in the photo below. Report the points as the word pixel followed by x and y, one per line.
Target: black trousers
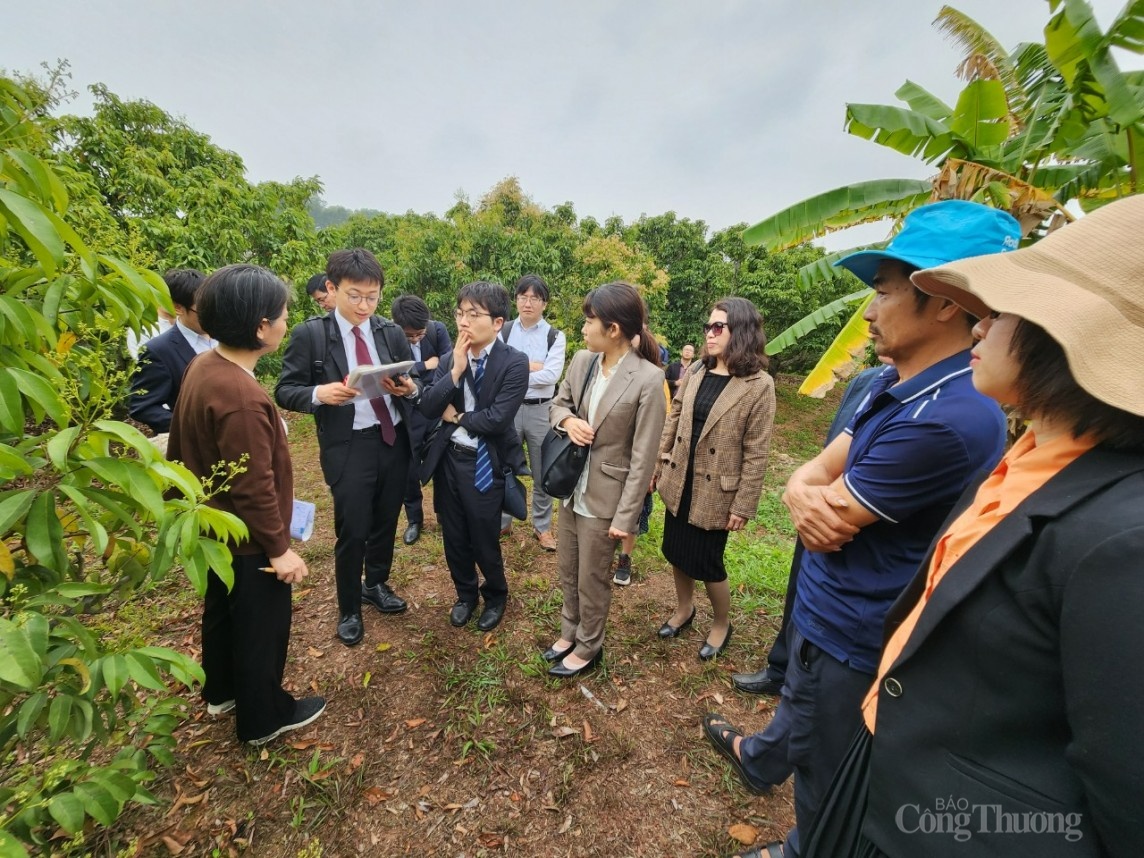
pixel 367 504
pixel 413 495
pixel 470 527
pixel 779 655
pixel 245 636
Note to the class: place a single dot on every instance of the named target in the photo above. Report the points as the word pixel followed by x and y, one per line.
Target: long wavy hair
pixel 745 353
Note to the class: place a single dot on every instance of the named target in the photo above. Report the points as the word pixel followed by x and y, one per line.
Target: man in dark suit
pixel 428 340
pixel 364 445
pixel 159 373
pixel 476 392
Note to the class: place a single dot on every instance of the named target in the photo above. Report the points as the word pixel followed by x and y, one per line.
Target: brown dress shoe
pixel 547 540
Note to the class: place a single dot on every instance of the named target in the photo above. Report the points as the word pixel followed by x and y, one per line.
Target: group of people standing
pixel 958 617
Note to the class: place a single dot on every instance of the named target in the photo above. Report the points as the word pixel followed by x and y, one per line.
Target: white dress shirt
pixel 534 343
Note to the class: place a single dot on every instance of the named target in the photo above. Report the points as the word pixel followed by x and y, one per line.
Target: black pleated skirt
pixel 698 553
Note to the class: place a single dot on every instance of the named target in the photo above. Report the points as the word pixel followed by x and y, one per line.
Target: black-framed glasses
pixel 716 328
pixel 356 299
pixel 471 315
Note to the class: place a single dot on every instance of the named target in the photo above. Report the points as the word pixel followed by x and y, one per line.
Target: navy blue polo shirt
pixel 915 446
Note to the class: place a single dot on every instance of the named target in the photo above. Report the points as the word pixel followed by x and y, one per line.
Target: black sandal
pixel 722 735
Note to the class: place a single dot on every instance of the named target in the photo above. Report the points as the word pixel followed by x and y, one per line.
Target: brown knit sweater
pixel 222 413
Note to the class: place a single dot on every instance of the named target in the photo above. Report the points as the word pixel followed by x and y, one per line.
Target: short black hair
pixel 317 283
pixel 410 312
pixel 183 283
pixel 534 282
pixel 1046 388
pixel 235 300
pixel 490 297
pixel 356 264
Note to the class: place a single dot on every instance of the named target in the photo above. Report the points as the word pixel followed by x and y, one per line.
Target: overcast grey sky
pixel 722 110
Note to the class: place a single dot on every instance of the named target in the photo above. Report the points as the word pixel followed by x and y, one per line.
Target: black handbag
pixel 562 460
pixel 515 501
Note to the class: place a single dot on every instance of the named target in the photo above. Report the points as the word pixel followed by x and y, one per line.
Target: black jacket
pixel 315 355
pixel 1021 687
pixel 503 387
pixel 155 386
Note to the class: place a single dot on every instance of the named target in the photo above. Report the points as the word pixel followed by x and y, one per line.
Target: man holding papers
pixel 364 443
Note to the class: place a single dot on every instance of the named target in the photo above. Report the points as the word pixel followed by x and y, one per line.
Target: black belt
pixel 369 430
pixel 538 401
pixel 462 450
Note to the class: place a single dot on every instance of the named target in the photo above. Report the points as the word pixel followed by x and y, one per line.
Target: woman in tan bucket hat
pixel 1007 718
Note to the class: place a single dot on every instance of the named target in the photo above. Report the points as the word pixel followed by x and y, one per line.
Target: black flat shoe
pixel 708 652
pixel 462 612
pixel 667 630
pixel 350 629
pixel 490 617
pixel 563 672
pixel 552 654
pixel 383 598
pixel 412 534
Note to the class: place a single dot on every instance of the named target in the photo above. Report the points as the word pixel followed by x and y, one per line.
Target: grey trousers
pixel 532 425
pixel 585 569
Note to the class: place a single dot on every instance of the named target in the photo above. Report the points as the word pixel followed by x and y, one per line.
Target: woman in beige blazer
pixel 621 416
pixel 712 460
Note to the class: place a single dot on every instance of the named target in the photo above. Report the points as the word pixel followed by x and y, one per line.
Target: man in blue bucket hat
pixel 867 507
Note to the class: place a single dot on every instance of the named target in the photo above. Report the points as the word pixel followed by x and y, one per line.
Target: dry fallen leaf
pixel 356 762
pixel 382 647
pixel 621 705
pixel 562 732
pixel 314 653
pixel 681 782
pixel 745 834
pixel 565 825
pixel 491 840
pixel 588 737
pixel 414 723
pixel 376 795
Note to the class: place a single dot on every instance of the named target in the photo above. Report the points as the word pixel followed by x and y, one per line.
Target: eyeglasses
pixel 529 299
pixel 357 299
pixel 471 315
pixel 716 328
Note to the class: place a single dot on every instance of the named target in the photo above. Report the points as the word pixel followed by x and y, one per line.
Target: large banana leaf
pixel 816 216
pixel 982 116
pixel 824 314
pixel 921 100
pixel 839 360
pixel 902 130
pixel 1127 31
pixel 977 43
pixel 823 268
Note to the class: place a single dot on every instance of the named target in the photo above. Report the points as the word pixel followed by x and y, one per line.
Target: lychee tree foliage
pixel 90 513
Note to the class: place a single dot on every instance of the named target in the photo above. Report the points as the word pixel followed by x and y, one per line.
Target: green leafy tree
pixel 89 512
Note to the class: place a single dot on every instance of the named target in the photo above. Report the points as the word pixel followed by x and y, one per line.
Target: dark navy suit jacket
pixel 155 387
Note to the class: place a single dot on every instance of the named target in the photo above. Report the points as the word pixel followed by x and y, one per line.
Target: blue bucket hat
pixel 940 233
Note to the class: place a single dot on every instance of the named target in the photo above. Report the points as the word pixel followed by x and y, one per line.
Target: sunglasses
pixel 716 328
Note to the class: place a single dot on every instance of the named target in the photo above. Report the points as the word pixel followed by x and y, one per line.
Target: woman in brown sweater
pixel 221 416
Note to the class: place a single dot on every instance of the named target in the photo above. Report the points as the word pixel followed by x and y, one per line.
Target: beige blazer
pixel 731 456
pixel 628 421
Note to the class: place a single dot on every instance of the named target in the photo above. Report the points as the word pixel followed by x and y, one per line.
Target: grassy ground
pixel 451 742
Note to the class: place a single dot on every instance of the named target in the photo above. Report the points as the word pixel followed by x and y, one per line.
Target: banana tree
pixel 1034 129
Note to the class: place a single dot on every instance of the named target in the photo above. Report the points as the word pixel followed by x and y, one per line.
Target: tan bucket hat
pixel 1084 285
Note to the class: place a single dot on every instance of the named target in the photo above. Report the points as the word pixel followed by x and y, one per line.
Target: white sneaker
pixel 306 711
pixel 623 575
pixel 220 708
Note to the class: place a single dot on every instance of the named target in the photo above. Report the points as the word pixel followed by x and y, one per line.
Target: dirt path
pixel 448 742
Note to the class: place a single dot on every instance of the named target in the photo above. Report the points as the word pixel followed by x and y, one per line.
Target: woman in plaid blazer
pixel 712 460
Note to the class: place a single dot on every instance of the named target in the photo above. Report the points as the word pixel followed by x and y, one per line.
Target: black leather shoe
pixel 462 612
pixel 383 598
pixel 757 683
pixel 563 672
pixel 552 655
pixel 708 652
pixel 667 630
pixel 412 534
pixel 350 629
pixel 490 617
